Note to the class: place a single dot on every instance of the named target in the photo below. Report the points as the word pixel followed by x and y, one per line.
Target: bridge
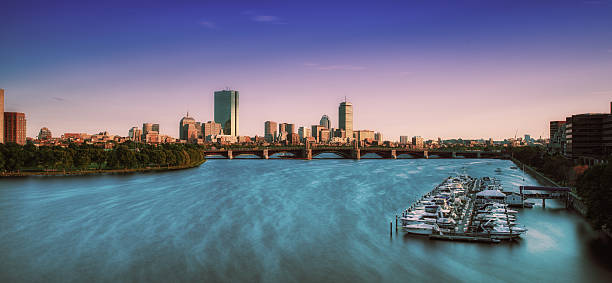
pixel 346 152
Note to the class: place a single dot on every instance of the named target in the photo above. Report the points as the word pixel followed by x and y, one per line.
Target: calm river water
pixel 273 221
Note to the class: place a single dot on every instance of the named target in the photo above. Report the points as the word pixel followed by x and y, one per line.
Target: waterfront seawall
pixel 574 201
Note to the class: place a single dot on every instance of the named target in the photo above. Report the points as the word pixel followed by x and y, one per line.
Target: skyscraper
pixel 226 111
pixel 15 127
pixel 270 131
pixel 325 122
pixel 345 118
pixel 1 115
pixel 184 127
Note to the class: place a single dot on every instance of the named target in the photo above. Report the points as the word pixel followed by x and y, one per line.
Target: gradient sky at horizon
pixel 450 69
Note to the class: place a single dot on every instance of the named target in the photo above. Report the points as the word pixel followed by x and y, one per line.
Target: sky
pixel 449 69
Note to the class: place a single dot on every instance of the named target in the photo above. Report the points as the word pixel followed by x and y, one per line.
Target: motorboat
pixel 419 229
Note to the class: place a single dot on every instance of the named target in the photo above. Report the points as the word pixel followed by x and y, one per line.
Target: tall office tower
pixel 403 140
pixel 146 128
pixel 290 128
pixel 325 122
pixel 211 128
pixel 156 128
pixel 184 126
pixel 14 127
pixel 1 115
pixel 345 118
pixel 135 134
pixel 282 129
pixel 303 133
pixel 44 134
pixel 226 111
pixel 270 131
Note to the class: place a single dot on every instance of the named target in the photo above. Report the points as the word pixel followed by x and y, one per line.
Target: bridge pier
pixel 478 154
pixel 357 154
pixel 229 154
pixel 265 153
pixel 307 153
pixel 425 154
pixel 393 154
pixel 454 154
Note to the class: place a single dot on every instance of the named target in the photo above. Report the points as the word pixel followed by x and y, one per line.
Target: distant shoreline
pixel 99 172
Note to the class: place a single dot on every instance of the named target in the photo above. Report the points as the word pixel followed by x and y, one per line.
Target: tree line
pixel 129 155
pixel 592 184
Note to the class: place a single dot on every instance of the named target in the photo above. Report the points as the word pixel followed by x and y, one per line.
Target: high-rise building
pixel 417 142
pixel 586 134
pixel 290 128
pixel 184 128
pixel 303 133
pixel 270 131
pixel 146 128
pixel 211 128
pixel 14 127
pixel 325 122
pixel 1 115
pixel 135 134
pixel 282 131
pixel 345 118
pixel 316 132
pixel 403 140
pixel 226 111
pixel 44 134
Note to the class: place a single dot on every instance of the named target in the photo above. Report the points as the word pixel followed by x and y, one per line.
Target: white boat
pixel 419 229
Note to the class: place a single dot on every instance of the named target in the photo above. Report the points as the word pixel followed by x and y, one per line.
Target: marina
pixel 464 208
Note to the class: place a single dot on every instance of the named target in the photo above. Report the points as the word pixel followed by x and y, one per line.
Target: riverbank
pixel 100 171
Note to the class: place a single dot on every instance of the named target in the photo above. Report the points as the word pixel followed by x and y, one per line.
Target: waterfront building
pixel 583 135
pixel 403 140
pixel 15 127
pixel 270 131
pixel 345 118
pixel 417 141
pixel 155 127
pixel 44 134
pixel 211 128
pixel 135 134
pixel 1 115
pixel 226 111
pixel 557 136
pixel 325 122
pixel 303 133
pixel 184 127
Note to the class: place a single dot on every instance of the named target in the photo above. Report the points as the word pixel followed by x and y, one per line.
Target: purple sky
pixel 430 68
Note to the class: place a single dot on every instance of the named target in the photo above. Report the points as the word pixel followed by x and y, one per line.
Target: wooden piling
pixel 391 228
pixel 396 223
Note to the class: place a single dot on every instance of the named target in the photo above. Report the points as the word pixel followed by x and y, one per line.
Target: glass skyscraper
pixel 226 111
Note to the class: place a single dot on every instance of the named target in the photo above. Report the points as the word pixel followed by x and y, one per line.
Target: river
pixel 274 221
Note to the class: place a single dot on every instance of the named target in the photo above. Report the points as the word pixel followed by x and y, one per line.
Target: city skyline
pixel 401 75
